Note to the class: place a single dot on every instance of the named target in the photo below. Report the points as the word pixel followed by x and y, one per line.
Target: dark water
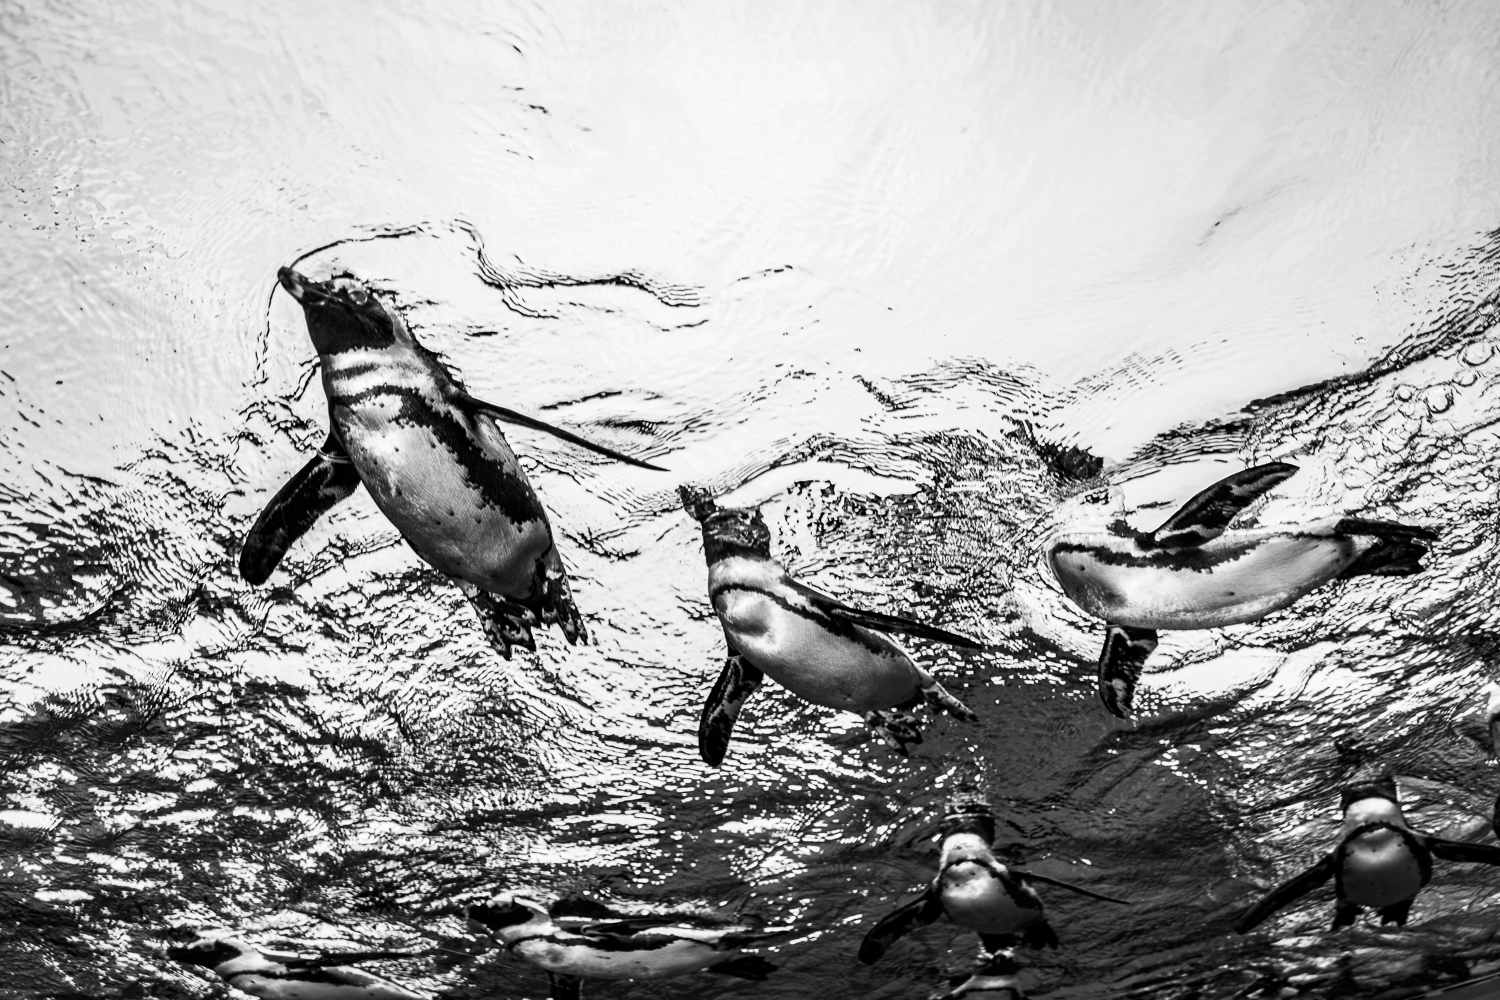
pixel 338 760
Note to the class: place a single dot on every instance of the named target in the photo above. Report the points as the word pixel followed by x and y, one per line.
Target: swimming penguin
pixel 1193 572
pixel 579 938
pixel 286 977
pixel 975 891
pixel 1380 862
pixel 433 459
pixel 994 978
pixel 1492 712
pixel 809 643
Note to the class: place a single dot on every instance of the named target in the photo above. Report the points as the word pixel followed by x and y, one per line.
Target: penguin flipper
pixel 751 967
pixel 565 987
pixel 895 925
pixel 1120 664
pixel 737 682
pixel 880 622
pixel 1206 515
pixel 521 420
pixel 1454 850
pixel 1032 876
pixel 1287 892
pixel 327 478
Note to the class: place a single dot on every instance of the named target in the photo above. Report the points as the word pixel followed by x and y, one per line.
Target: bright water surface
pixel 879 266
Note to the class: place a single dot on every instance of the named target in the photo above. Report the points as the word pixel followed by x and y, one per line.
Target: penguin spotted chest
pixel 434 461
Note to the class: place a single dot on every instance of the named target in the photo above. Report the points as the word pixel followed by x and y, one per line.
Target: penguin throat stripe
pixel 498 483
pixel 829 623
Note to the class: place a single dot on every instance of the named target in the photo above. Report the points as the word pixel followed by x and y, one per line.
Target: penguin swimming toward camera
pixel 435 462
pixel 976 892
pixel 1380 861
pixel 579 938
pixel 273 976
pixel 1195 572
pixel 811 644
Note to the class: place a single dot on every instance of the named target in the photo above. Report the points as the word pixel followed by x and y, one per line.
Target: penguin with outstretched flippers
pixel 579 938
pixel 1196 572
pixel 433 459
pixel 1380 862
pixel 272 976
pixel 975 891
pixel 813 645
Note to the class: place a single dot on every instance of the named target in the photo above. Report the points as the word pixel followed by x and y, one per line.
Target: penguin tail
pixel 1040 935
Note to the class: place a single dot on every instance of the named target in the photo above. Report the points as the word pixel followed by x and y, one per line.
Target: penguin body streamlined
pixel 1380 862
pixel 1195 572
pixel 976 892
pixel 433 460
pixel 811 644
pixel 578 938
pixel 284 977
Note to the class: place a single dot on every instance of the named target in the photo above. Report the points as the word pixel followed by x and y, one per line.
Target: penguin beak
pixel 304 290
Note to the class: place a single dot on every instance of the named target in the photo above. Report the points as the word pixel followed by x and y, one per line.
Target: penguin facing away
pixel 434 460
pixel 976 892
pixel 285 977
pixel 579 938
pixel 1380 862
pixel 811 644
pixel 1195 572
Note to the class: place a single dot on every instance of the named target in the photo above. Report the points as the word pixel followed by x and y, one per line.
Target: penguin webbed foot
pixel 506 624
pixel 1344 915
pixel 1040 935
pixel 899 729
pixel 939 700
pixel 1397 913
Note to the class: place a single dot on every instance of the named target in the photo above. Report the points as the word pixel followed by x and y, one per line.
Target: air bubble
pixel 1477 354
pixel 1405 393
pixel 1438 398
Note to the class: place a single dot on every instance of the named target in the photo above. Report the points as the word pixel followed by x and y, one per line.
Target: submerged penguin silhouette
pixel 976 892
pixel 1195 572
pixel 579 938
pixel 809 643
pixel 993 978
pixel 273 976
pixel 1380 862
pixel 433 459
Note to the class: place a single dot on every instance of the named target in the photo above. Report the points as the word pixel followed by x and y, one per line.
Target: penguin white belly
pixel 595 961
pixel 1237 577
pixel 853 669
pixel 428 494
pixel 975 898
pixel 1379 870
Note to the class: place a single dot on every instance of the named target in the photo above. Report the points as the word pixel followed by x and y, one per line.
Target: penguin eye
pixel 358 296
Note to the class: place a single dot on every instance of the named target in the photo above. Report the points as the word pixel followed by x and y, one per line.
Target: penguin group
pixel 438 467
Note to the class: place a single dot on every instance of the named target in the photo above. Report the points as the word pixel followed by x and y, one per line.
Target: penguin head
pixel 210 951
pixel 735 531
pixel 341 313
pixel 972 816
pixel 506 914
pixel 1369 786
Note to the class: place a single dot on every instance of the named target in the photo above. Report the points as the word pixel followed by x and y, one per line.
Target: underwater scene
pixel 764 500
